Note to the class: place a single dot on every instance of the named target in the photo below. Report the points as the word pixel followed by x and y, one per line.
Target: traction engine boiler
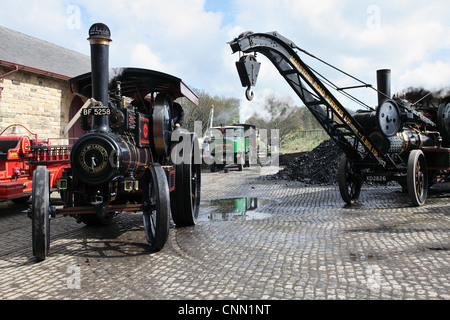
pixel 124 162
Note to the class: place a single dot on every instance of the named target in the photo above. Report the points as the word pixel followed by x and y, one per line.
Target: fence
pixel 317 133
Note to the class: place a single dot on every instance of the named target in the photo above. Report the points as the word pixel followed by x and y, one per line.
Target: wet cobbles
pixel 304 245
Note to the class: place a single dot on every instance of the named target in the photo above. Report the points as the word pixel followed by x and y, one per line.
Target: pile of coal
pixel 319 166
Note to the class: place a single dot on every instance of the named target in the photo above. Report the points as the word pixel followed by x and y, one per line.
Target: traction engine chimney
pixel 99 38
pixel 384 85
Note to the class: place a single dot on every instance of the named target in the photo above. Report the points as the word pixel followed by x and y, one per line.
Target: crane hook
pixel 249 94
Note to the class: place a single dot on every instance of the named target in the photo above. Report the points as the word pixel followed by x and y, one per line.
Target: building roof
pixel 40 56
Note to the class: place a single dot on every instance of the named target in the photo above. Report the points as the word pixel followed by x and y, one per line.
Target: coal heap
pixel 319 166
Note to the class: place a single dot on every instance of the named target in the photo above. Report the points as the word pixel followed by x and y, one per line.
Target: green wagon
pixel 230 146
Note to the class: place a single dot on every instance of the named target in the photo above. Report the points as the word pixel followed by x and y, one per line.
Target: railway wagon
pixel 130 160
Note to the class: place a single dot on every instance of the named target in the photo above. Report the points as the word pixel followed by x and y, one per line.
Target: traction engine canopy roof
pixel 134 80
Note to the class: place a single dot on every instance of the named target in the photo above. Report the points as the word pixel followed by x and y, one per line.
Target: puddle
pixel 233 209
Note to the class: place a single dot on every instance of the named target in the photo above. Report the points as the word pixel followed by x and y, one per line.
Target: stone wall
pixel 38 102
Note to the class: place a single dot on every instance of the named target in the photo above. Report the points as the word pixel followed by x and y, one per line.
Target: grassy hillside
pixel 301 143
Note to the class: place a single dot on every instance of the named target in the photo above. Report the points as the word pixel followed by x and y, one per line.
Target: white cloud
pixel 432 76
pixel 182 38
pixel 42 19
pixel 142 56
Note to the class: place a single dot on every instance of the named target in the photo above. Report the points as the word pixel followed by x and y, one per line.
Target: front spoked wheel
pixel 40 213
pixel 349 180
pixel 156 208
pixel 417 177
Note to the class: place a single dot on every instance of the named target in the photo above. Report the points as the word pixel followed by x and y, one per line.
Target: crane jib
pixel 339 111
pixel 347 133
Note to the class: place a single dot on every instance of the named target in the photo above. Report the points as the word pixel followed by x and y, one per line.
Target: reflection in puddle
pixel 233 209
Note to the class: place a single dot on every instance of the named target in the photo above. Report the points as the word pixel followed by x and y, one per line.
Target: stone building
pixel 34 86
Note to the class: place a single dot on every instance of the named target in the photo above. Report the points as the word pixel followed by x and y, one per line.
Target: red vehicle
pixel 19 157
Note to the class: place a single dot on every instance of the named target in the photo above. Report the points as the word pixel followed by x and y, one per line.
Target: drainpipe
pixel 7 74
pixel 10 72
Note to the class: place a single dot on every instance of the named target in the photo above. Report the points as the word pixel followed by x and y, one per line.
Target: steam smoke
pixel 223 118
pixel 114 73
pixel 415 94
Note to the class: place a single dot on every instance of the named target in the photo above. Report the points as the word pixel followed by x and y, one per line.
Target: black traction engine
pixel 130 160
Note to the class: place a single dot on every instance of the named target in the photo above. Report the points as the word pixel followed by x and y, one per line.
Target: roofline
pixel 34 70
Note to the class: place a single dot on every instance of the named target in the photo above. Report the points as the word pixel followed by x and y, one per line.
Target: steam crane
pixel 392 142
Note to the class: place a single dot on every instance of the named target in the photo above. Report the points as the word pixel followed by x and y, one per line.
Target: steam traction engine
pixel 124 162
pixel 399 140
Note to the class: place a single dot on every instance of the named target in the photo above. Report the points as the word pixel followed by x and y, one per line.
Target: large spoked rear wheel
pixel 417 177
pixel 156 208
pixel 40 210
pixel 185 200
pixel 162 126
pixel 349 180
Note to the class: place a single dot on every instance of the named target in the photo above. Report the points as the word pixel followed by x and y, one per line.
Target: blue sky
pixel 188 38
pixel 226 8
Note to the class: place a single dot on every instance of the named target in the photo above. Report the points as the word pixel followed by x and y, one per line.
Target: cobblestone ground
pixel 305 244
